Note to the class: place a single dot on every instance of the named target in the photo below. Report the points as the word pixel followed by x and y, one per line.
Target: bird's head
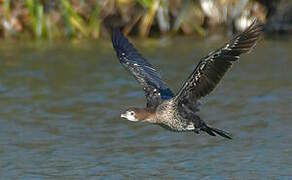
pixel 137 114
pixel 130 114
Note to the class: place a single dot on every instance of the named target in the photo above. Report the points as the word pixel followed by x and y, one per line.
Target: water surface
pixel 60 105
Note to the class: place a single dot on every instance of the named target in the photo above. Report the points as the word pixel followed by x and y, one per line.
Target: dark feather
pixel 213 131
pixel 155 89
pixel 212 68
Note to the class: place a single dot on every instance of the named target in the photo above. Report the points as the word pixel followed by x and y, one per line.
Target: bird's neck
pixel 147 115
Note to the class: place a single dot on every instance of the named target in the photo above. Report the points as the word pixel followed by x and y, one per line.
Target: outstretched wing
pixel 211 68
pixel 155 89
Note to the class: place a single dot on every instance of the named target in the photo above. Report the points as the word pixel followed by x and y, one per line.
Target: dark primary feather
pixel 155 89
pixel 211 68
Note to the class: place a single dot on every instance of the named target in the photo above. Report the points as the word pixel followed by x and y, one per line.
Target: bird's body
pixel 166 115
pixel 178 112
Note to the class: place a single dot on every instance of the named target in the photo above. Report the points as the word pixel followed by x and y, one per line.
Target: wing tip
pixel 116 36
pixel 246 41
pixel 122 44
pixel 255 27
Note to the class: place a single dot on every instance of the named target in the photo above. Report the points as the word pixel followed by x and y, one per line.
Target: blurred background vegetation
pixel 55 19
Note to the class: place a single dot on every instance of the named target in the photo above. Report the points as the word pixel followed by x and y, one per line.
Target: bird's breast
pixel 168 115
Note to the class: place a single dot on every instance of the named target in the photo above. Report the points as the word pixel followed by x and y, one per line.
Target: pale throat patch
pixel 129 116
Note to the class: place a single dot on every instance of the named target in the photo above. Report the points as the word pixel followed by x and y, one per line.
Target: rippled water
pixel 60 105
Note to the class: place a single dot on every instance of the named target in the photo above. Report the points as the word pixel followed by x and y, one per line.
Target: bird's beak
pixel 123 116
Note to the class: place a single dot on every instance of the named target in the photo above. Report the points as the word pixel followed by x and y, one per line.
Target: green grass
pixel 86 19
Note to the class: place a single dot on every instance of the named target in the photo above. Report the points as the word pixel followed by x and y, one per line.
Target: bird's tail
pixel 213 131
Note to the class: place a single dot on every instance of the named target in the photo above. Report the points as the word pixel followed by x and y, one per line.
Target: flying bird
pixel 178 112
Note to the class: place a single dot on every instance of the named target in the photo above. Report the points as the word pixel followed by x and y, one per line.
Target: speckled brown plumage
pixel 178 113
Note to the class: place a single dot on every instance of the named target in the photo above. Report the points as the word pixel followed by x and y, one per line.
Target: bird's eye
pixel 132 113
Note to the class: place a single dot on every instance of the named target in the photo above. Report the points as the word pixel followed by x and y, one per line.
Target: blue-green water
pixel 60 105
